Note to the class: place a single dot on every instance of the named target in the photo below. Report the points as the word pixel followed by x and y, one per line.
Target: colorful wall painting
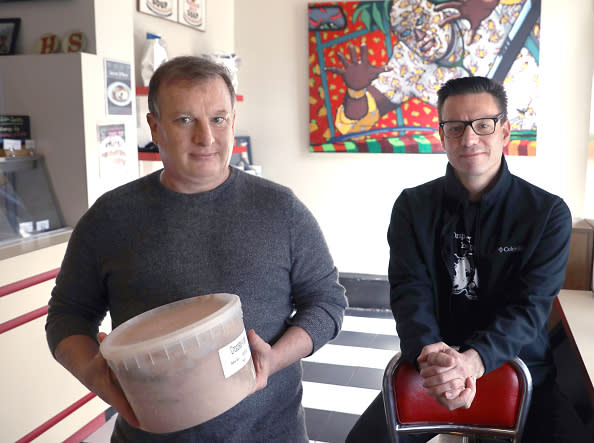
pixel 375 68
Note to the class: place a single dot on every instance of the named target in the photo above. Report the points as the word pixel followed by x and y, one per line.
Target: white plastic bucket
pixel 183 363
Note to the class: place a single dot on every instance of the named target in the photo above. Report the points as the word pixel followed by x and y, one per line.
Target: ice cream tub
pixel 183 363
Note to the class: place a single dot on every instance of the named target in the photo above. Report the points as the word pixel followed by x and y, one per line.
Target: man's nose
pixel 469 137
pixel 203 134
pixel 419 34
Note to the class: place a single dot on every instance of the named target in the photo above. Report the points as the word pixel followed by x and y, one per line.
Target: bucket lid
pixel 156 331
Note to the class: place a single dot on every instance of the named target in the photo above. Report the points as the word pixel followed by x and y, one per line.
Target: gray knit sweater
pixel 142 245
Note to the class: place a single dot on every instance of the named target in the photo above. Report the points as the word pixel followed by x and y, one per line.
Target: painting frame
pixel 9 32
pixel 389 57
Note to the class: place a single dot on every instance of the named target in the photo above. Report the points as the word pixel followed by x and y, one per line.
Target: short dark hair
pixel 472 85
pixel 186 68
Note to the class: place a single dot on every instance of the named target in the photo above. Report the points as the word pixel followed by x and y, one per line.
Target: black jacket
pixel 521 248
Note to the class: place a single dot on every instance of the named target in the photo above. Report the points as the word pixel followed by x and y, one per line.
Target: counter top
pixel 39 241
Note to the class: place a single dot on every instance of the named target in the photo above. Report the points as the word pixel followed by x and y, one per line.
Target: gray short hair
pixel 186 68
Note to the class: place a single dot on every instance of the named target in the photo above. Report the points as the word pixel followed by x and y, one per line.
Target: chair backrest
pixel 499 408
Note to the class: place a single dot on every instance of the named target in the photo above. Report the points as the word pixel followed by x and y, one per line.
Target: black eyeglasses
pixel 480 126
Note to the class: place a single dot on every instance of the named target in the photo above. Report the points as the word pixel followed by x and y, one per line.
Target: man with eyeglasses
pixel 476 260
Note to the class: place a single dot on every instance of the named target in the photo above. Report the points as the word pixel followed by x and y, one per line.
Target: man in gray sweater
pixel 199 227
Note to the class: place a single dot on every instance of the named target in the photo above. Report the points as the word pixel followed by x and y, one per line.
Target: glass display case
pixel 28 206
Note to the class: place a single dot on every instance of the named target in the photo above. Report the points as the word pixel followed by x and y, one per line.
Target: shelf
pixel 19 163
pixel 149 156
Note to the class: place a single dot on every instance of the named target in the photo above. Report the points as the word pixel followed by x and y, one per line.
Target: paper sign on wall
pixel 187 12
pixel 192 13
pixel 118 87
pixel 160 8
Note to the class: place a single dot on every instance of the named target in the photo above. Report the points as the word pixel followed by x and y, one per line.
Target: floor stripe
pixel 328 426
pixel 370 313
pixel 369 325
pixel 345 399
pixel 376 341
pixel 352 356
pixel 343 375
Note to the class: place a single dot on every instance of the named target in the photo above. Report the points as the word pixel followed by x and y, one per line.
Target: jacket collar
pixel 458 194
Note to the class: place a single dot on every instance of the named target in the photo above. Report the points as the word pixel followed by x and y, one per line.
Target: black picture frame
pixel 9 32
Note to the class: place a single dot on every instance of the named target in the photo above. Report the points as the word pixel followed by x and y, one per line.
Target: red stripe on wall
pixel 56 419
pixel 87 430
pixel 28 282
pixel 22 319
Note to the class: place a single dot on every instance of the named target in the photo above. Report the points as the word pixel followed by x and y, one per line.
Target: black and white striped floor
pixel 343 377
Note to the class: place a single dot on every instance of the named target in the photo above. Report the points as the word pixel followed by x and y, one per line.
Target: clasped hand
pixel 450 376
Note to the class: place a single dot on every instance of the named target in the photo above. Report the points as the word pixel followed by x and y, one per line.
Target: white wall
pixel 566 65
pixel 589 205
pixel 351 194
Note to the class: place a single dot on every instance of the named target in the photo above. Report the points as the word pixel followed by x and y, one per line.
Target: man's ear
pixel 506 127
pixel 153 123
pixel 441 137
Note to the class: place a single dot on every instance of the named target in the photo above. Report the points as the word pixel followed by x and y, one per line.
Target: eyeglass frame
pixel 495 119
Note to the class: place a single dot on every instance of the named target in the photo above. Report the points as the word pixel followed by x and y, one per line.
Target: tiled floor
pixel 341 379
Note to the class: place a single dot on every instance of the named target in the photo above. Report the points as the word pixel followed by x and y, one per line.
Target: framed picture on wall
pixel 373 42
pixel 242 152
pixel 159 8
pixel 118 89
pixel 192 13
pixel 9 31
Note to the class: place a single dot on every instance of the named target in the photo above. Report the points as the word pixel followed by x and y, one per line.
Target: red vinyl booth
pixel 498 410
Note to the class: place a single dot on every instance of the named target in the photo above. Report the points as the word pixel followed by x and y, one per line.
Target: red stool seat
pixel 498 409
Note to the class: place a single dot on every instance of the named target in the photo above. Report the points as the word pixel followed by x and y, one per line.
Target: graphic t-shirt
pixel 465 273
pixel 466 279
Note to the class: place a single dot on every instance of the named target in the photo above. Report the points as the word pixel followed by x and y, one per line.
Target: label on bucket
pixel 235 355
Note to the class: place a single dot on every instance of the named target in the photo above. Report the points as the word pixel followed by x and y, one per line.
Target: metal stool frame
pixel 454 425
